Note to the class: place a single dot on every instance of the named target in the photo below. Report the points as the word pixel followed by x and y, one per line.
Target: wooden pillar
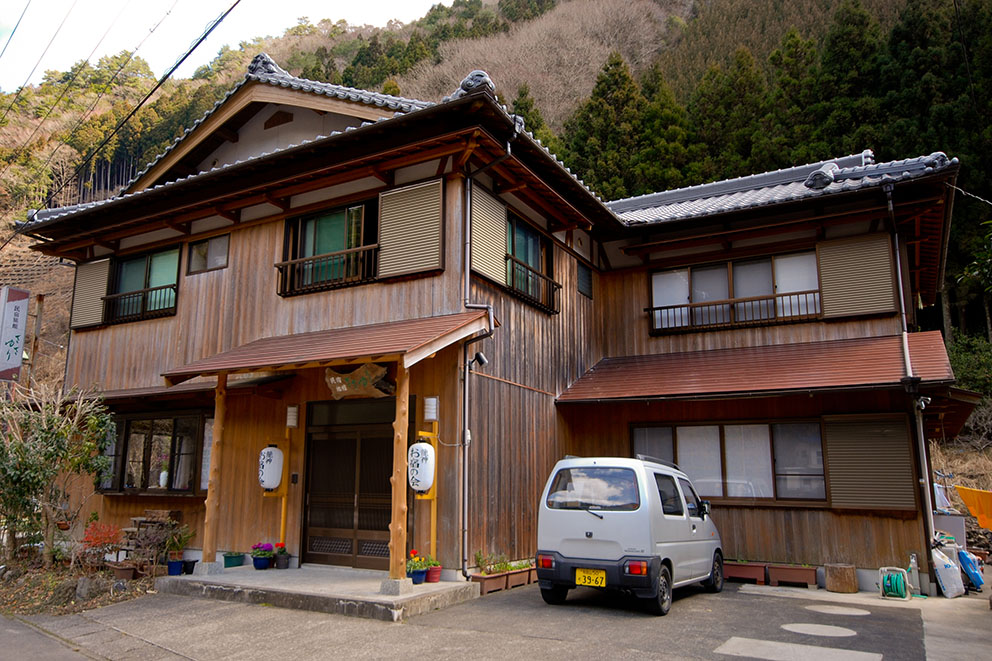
pixel 397 526
pixel 213 485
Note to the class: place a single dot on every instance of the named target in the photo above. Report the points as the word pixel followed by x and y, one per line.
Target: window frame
pixel 189 254
pixel 117 483
pixel 581 266
pixel 114 295
pixel 548 296
pixel 775 499
pixel 685 318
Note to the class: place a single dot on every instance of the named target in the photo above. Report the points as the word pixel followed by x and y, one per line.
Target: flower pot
pixel 418 575
pixel 188 566
pixel 175 555
pixel 490 582
pixel 234 560
pixel 125 573
pixel 433 575
pixel 62 525
pixel 175 567
pixel 282 560
pixel 260 563
pixel 792 574
pixel 517 577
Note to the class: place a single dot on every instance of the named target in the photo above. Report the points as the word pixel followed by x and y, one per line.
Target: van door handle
pixel 694 529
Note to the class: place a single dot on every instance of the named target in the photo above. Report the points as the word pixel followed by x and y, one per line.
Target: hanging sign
pixel 270 467
pixel 366 381
pixel 420 467
pixel 13 318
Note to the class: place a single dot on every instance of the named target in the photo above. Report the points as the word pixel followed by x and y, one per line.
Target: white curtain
pixel 749 461
pixel 699 458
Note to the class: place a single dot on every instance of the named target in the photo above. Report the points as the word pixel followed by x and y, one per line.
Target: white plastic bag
pixel 948 575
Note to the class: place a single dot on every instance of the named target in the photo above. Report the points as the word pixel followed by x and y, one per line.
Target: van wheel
pixel 715 582
pixel 662 602
pixel 554 595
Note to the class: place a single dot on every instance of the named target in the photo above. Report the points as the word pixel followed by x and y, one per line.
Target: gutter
pixel 466 363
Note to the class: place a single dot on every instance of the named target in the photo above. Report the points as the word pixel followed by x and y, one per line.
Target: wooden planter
pixel 123 571
pixel 737 571
pixel 517 577
pixel 490 582
pixel 532 575
pixel 792 574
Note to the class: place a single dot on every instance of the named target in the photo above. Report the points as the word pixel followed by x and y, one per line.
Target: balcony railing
pixel 736 312
pixel 330 271
pixel 141 304
pixel 532 286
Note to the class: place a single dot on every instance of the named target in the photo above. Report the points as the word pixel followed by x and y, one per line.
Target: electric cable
pixel 40 58
pixel 65 90
pixel 120 124
pixel 15 29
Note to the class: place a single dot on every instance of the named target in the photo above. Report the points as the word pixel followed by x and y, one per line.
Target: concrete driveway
pixel 750 621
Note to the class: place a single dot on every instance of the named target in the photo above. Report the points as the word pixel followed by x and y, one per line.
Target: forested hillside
pixel 634 95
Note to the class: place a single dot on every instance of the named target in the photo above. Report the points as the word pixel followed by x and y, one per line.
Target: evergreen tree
pixel 664 155
pixel 525 106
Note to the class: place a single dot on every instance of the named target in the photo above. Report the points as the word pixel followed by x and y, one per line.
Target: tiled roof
pixel 842 175
pixel 397 337
pixel 853 363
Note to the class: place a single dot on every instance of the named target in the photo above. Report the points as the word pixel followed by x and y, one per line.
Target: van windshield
pixel 594 488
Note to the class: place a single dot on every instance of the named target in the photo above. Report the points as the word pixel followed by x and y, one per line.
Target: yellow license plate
pixel 592 577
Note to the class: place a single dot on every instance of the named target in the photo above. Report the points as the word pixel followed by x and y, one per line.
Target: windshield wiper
pixel 596 514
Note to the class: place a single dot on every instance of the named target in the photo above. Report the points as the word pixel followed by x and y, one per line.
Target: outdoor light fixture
pixel 430 409
pixel 480 359
pixel 293 416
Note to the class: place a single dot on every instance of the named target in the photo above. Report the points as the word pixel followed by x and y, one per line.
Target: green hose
pixel 894 585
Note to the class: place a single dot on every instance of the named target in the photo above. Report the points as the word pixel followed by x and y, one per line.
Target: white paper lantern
pixel 270 467
pixel 420 466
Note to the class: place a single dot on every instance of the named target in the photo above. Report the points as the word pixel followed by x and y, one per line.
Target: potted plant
pixel 282 556
pixel 261 555
pixel 492 573
pixel 233 559
pixel 177 537
pixel 433 570
pixel 518 573
pixel 99 540
pixel 416 567
pixel 744 570
pixel 123 570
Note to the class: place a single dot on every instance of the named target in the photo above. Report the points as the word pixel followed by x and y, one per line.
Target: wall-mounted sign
pixel 420 466
pixel 366 381
pixel 13 318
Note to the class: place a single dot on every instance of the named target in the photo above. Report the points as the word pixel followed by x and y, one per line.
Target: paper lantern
pixel 420 466
pixel 270 467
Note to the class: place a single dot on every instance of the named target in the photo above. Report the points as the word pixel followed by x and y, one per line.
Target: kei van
pixel 632 525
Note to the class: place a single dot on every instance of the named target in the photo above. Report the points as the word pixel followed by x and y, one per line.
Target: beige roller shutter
pixel 87 298
pixel 410 221
pixel 856 276
pixel 488 235
pixel 870 463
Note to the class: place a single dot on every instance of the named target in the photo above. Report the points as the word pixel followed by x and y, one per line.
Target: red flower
pixel 413 553
pixel 280 545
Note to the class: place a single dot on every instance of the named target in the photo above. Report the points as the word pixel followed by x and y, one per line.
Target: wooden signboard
pixel 360 383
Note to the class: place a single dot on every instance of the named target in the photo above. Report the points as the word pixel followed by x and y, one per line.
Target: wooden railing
pixel 329 271
pixel 736 312
pixel 141 304
pixel 532 286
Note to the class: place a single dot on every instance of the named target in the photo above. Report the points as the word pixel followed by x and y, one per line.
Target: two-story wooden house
pixel 309 265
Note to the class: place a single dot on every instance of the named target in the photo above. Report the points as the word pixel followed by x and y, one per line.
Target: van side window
pixel 691 500
pixel 670 501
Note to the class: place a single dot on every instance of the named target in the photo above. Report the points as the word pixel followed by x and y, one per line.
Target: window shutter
pixel 87 298
pixel 488 235
pixel 856 276
pixel 410 229
pixel 870 464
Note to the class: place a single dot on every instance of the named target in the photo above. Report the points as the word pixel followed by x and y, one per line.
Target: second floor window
pixel 144 287
pixel 330 249
pixel 742 293
pixel 528 265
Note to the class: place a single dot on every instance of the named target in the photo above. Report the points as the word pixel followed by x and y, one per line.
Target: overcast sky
pixel 129 22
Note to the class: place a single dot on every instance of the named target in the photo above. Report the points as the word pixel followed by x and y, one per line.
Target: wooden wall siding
pixel 410 223
pixel 816 537
pixel 220 310
pixel 857 276
pixel 871 464
pixel 87 297
pixel 624 295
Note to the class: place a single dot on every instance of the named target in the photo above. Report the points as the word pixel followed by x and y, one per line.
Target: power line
pixel 15 29
pixel 65 90
pixel 189 51
pixel 40 58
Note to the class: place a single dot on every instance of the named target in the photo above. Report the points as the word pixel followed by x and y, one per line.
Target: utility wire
pixel 15 29
pixel 40 58
pixel 165 77
pixel 65 90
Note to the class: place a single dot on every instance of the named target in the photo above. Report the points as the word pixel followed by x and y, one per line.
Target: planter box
pixel 490 582
pixel 517 577
pixel 532 575
pixel 736 571
pixel 789 574
pixel 234 560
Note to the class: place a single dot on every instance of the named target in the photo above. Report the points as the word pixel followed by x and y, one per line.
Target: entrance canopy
pixel 408 342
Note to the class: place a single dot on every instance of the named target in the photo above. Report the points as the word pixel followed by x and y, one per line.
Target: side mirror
pixel 704 508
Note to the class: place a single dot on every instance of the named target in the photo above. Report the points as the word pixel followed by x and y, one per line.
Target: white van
pixel 634 525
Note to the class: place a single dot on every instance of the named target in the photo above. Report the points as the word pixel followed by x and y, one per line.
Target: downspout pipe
pixel 466 363
pixel 911 382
